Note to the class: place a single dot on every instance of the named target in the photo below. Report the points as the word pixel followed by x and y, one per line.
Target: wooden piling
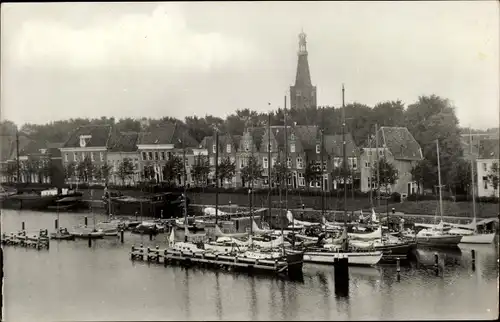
pixel 436 263
pixel 122 236
pixel 473 253
pixel 90 240
pixel 398 269
pixel 23 226
pixel 150 236
pixel 85 221
pixel 56 224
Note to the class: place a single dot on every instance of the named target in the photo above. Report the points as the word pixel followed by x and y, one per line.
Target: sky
pixel 68 60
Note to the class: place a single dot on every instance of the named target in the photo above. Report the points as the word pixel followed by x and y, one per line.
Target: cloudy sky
pixel 62 60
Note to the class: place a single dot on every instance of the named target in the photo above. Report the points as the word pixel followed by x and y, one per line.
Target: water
pixel 74 282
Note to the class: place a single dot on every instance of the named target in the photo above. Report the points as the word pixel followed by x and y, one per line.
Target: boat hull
pixel 439 241
pixel 478 239
pixel 94 235
pixel 397 249
pixel 353 258
pixel 57 236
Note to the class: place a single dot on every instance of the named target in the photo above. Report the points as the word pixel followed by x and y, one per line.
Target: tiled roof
pixel 279 134
pixel 124 142
pixel 334 145
pixel 6 145
pixel 400 143
pixel 31 147
pixel 182 134
pixel 308 135
pixel 24 142
pixel 224 140
pixel 158 135
pixel 100 136
pixel 489 149
pixel 257 134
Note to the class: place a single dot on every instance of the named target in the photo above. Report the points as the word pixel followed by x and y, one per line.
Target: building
pixel 123 146
pixel 249 146
pixel 227 149
pixel 302 93
pixel 158 144
pixel 401 150
pixel 488 156
pixel 90 142
pixel 475 139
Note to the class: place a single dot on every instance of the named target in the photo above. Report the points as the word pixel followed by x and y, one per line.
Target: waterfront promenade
pixel 71 281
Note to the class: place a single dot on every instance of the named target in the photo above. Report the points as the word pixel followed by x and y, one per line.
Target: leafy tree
pixel 493 175
pixel 148 171
pixel 252 171
pixel 226 170
pixel 461 178
pixel 280 174
pixel 69 170
pixel 105 171
pixel 389 113
pixel 85 169
pixel 126 170
pixel 387 173
pixel 339 173
pixel 173 170
pixel 425 174
pixel 200 170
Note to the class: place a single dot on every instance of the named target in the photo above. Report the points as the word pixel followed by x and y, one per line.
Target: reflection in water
pixel 106 285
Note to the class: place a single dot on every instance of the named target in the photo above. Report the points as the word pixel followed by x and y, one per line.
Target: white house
pixel 488 156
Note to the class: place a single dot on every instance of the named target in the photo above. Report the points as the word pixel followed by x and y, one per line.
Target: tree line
pixel 429 118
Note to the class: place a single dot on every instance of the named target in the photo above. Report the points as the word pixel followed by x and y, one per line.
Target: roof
pixel 181 134
pixel 400 143
pixel 24 142
pixel 99 136
pixel 489 149
pixel 161 134
pixel 224 139
pixel 257 134
pixel 307 134
pixel 334 145
pixel 124 142
pixel 279 134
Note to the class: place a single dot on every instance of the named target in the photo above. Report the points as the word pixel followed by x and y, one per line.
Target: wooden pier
pixel 213 260
pixel 24 240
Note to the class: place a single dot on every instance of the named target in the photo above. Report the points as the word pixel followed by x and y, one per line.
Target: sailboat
pixel 469 232
pixel 437 236
pixel 86 232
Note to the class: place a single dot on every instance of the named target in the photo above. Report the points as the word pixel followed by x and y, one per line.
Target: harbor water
pixel 72 281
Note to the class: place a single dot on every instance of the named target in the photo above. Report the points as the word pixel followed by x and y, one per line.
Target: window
pixel 66 157
pixel 75 157
pixel 266 181
pixel 156 155
pixel 242 162
pixel 213 148
pixel 292 136
pixel 162 155
pixel 485 181
pixel 289 162
pixel 318 150
pixel 92 156
pixel 101 155
pixel 150 155
pixel 336 162
pixel 380 152
pixel 233 160
pixel 289 181
pixel 318 183
pixel 247 146
pixel 353 163
pixel 292 148
pixel 219 160
pixel 311 184
pixel 273 161
pixel 264 162
pixel 228 148
pixel 367 164
pixel 212 160
pixel 485 167
pixel 299 163
pixel 325 165
pixel 302 181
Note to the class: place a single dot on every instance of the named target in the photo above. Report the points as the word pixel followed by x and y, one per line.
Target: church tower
pixel 303 93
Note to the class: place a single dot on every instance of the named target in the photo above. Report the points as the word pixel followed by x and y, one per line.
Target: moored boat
pixel 62 234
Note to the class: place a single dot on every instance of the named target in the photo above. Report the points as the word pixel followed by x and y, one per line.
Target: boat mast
pixel 216 176
pixel 17 155
pixel 185 187
pixel 344 153
pixel 286 173
pixel 370 176
pixel 378 165
pixel 269 201
pixel 322 147
pixel 439 181
pixel 472 179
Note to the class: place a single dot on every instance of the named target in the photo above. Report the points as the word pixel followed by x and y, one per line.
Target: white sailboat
pixel 437 236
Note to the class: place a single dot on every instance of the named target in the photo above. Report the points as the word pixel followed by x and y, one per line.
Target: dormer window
pixel 228 148
pixel 214 149
pixel 292 136
pixel 292 148
pixel 318 150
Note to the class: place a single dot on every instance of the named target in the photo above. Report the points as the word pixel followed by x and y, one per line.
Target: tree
pixel 85 169
pixel 148 172
pixel 173 170
pixel 126 169
pixel 425 174
pixel 226 170
pixel 461 178
pixel 311 173
pixel 387 173
pixel 280 174
pixel 252 171
pixel 389 113
pixel 493 175
pixel 69 170
pixel 105 172
pixel 339 173
pixel 200 170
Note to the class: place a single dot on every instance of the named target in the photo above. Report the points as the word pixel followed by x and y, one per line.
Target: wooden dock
pixel 22 239
pixel 212 260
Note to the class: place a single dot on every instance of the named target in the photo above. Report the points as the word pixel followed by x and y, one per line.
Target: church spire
pixel 303 93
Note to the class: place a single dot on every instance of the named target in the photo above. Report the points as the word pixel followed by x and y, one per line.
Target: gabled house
pixel 227 148
pixel 91 141
pixel 250 145
pixel 401 150
pixel 334 152
pixel 488 156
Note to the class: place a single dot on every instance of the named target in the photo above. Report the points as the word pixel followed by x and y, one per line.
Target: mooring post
pixel 90 240
pixel 56 224
pixel 398 269
pixel 473 253
pixel 85 221
pixel 150 236
pixel 436 263
pixel 122 236
pixel 23 226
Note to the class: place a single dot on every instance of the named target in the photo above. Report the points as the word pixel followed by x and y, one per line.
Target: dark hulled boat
pixel 165 204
